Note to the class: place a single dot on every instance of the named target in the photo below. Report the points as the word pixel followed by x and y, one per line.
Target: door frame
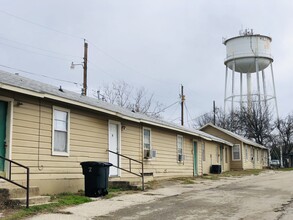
pixel 222 157
pixel 195 158
pixel 9 126
pixel 119 143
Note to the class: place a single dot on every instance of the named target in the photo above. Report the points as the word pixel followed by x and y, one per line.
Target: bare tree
pixel 138 100
pixel 256 123
pixel 285 134
pixel 222 120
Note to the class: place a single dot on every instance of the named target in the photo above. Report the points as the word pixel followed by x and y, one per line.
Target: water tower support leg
pixel 275 96
pixel 264 87
pixel 241 93
pixel 233 75
pixel 258 85
pixel 249 101
pixel 225 100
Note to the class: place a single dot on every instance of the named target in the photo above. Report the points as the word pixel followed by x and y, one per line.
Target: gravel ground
pixel 266 196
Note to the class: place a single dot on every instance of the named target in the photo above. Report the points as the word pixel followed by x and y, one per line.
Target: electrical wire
pixel 169 106
pixel 100 69
pixel 171 115
pixel 40 25
pixel 188 114
pixel 50 51
pixel 36 74
pixel 41 54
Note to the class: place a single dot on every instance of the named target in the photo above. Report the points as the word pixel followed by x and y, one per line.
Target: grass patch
pixel 185 180
pixel 114 191
pixel 285 169
pixel 211 177
pixel 58 201
pixel 239 173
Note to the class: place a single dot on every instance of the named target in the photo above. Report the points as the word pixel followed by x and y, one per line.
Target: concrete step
pixel 13 196
pixel 33 200
pixel 20 192
pixel 123 185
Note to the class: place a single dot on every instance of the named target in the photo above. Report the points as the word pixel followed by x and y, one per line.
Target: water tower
pixel 247 57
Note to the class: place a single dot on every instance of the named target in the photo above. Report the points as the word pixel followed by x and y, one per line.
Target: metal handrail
pixel 129 171
pixel 27 187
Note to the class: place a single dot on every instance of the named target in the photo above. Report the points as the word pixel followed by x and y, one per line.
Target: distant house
pixel 246 154
pixel 52 130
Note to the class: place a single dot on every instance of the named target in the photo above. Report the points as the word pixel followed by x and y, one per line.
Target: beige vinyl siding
pixel 88 141
pixel 32 146
pixel 166 163
pixel 211 155
pixel 255 164
pixel 235 165
pixel 131 147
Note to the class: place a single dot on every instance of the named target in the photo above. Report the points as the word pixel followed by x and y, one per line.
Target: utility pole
pixel 182 96
pixel 84 91
pixel 214 111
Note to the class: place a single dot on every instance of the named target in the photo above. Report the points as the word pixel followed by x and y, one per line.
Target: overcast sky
pixel 157 44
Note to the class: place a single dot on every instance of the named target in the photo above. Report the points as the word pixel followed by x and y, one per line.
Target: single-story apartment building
pixel 246 154
pixel 52 130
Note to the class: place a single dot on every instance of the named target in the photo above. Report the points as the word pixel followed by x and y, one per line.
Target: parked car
pixel 275 163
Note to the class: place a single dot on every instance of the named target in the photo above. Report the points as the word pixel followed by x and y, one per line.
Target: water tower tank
pixel 247 57
pixel 244 48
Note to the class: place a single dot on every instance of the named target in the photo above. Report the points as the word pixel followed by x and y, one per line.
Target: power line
pixel 46 55
pixel 36 74
pixel 112 57
pixel 40 25
pixel 100 69
pixel 188 114
pixel 126 65
pixel 169 106
pixel 50 51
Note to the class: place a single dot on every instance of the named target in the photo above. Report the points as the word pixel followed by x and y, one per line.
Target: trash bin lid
pixel 96 163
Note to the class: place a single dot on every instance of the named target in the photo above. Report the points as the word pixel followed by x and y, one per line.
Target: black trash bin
pixel 95 178
pixel 217 169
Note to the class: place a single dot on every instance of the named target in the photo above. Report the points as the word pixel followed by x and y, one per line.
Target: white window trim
pixel 203 151
pixel 56 153
pixel 246 153
pixel 239 152
pixel 180 136
pixel 146 128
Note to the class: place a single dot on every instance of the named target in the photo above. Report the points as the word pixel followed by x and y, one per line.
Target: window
pixel 251 153
pixel 246 152
pixel 236 152
pixel 257 158
pixel 203 152
pixel 60 137
pixel 148 153
pixel 226 154
pixel 147 138
pixel 180 147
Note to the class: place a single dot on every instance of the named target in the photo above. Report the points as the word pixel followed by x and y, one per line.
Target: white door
pixel 113 146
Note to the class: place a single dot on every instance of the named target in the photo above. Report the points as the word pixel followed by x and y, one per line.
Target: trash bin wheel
pixel 105 192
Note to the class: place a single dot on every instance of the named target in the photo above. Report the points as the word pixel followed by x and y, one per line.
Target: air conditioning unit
pixel 149 153
pixel 181 157
pixel 153 153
